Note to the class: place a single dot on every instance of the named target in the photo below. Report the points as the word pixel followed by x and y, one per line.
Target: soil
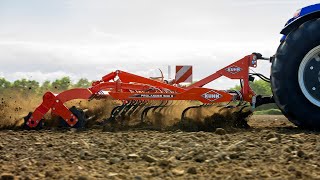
pixel 271 149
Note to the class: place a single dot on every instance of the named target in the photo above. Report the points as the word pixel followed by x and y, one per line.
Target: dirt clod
pixel 82 178
pixel 192 170
pixel 220 131
pixel 114 160
pixel 149 158
pixel 273 140
pixel 7 176
pixel 178 172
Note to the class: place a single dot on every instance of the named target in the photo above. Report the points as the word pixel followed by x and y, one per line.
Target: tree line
pixel 61 84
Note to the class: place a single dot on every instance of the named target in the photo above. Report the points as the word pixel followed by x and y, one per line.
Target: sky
pixel 48 39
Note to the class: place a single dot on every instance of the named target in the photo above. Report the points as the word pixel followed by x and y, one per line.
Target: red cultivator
pixel 134 90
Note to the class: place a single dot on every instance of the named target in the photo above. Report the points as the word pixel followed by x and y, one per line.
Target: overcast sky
pixel 48 39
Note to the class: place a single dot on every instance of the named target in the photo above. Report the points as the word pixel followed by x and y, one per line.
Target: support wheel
pixel 295 76
pixel 38 127
pixel 81 124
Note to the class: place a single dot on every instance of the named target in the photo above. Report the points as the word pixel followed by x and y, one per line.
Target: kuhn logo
pixel 211 95
pixel 233 69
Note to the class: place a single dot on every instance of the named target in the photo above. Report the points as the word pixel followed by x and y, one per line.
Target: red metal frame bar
pixel 236 70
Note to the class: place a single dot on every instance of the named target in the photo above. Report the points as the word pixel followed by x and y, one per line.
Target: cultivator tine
pixel 225 108
pixel 133 108
pixel 138 110
pixel 243 107
pixel 127 107
pixel 161 107
pixel 121 112
pixel 114 113
pixel 183 115
pixel 221 109
pixel 168 110
pixel 145 111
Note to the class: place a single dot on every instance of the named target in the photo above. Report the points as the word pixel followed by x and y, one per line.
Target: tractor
pixel 294 78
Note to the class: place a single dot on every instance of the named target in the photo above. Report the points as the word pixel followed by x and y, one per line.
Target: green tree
pixel 261 87
pixel 25 84
pixel 4 84
pixel 83 83
pixel 46 86
pixel 61 84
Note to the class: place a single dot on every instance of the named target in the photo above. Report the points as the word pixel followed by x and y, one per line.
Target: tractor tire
pixel 295 76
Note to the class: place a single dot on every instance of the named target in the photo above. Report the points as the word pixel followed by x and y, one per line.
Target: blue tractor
pixel 295 70
pixel 295 82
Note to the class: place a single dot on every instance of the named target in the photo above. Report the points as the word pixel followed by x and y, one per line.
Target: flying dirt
pixel 15 104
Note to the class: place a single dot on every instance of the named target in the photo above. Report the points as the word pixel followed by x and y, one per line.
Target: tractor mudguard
pixel 297 22
pixel 301 16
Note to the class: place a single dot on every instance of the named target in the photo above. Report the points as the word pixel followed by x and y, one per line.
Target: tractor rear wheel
pixel 295 76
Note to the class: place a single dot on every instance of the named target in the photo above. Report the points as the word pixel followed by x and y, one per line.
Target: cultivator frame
pixel 134 89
